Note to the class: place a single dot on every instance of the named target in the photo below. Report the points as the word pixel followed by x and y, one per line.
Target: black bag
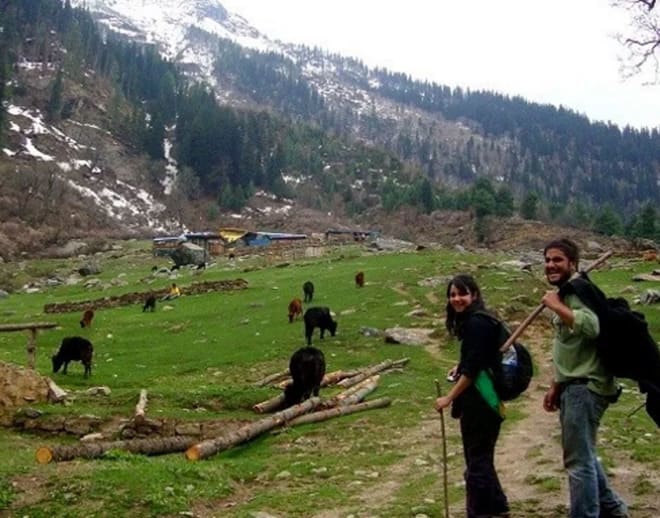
pixel 514 371
pixel 624 343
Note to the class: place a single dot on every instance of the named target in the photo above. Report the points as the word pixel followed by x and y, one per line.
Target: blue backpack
pixel 515 369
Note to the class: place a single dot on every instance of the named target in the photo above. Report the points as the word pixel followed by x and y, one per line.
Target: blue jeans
pixel 580 414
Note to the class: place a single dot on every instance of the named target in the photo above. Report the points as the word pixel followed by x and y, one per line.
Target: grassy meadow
pixel 199 360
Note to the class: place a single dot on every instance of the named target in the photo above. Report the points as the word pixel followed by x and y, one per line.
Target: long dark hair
pixel 464 284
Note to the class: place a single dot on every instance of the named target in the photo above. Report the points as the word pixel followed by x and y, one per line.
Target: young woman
pixel 479 416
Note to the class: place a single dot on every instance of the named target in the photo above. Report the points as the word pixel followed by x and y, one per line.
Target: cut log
pixel 337 411
pixel 55 394
pixel 370 371
pixel 332 378
pixel 210 447
pixel 354 394
pixel 367 373
pixel 284 384
pixel 399 363
pixel 273 378
pixel 92 450
pixel 269 405
pixel 141 407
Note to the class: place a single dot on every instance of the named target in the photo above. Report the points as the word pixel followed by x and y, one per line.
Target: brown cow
pixel 295 309
pixel 87 318
pixel 359 279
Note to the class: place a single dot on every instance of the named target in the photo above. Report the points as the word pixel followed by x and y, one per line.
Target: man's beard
pixel 563 279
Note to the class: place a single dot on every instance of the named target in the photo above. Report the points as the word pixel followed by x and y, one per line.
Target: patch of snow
pixel 33 151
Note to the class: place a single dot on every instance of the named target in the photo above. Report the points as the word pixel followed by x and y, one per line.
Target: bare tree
pixel 642 40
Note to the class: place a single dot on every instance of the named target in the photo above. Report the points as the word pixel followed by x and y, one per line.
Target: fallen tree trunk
pixel 354 394
pixel 273 378
pixel 269 405
pixel 92 450
pixel 337 411
pixel 56 394
pixel 370 371
pixel 399 363
pixel 367 373
pixel 210 447
pixel 141 406
pixel 332 378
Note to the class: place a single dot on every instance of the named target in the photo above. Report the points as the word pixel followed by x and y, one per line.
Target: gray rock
pixel 408 336
pixel 594 246
pixel 650 297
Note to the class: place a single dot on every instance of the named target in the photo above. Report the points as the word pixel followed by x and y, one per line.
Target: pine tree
pixel 608 222
pixel 530 205
pixel 54 106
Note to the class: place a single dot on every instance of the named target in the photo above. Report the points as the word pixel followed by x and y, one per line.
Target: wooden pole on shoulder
pixel 521 328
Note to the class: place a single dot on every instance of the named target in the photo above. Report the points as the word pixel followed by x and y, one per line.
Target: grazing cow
pixel 321 318
pixel 295 309
pixel 149 304
pixel 87 318
pixel 308 290
pixel 74 348
pixel 359 279
pixel 307 368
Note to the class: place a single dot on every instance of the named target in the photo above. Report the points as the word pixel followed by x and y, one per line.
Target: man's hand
pixel 551 398
pixel 552 301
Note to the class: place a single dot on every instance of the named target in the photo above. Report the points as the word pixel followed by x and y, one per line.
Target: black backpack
pixel 514 371
pixel 624 343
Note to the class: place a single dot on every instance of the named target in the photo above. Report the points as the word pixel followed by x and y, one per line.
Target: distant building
pixel 217 243
pixel 355 235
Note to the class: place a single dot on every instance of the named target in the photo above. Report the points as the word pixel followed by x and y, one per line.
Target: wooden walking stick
pixel 514 336
pixel 444 453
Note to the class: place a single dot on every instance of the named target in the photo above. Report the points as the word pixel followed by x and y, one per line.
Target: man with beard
pixel 582 389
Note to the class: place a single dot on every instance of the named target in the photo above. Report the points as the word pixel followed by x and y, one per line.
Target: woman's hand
pixel 452 374
pixel 442 402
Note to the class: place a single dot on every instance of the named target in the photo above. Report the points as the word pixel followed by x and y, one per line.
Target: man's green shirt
pixel 574 349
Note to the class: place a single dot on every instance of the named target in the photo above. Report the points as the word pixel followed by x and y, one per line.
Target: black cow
pixel 74 348
pixel 308 290
pixel 307 368
pixel 149 304
pixel 321 318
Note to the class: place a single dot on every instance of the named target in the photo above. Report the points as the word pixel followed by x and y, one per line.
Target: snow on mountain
pixel 121 201
pixel 165 23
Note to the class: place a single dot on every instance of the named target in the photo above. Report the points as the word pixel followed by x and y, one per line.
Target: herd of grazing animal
pixel 306 365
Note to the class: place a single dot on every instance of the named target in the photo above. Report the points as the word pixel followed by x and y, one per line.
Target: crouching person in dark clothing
pixel 473 397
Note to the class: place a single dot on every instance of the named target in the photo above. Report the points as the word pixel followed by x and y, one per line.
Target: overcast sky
pixel 559 52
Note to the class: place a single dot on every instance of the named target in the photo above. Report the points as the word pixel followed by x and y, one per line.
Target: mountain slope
pixel 320 128
pixel 454 136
